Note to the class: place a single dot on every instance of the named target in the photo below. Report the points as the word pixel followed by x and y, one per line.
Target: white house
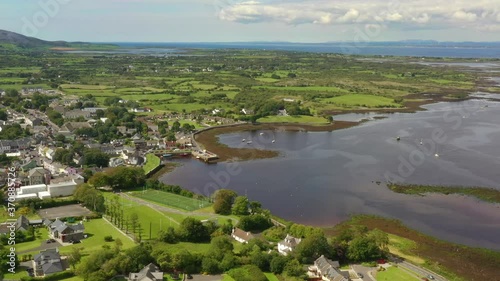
pixel 62 189
pixel 241 235
pixel 288 244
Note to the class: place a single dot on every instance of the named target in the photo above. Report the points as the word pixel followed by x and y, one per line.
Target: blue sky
pixel 263 20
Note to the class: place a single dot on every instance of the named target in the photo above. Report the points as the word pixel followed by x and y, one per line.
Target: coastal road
pixel 421 272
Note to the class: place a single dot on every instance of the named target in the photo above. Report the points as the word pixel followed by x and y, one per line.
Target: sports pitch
pixel 172 200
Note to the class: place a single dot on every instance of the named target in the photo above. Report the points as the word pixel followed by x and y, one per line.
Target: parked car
pixel 189 276
pixel 430 277
pixel 360 275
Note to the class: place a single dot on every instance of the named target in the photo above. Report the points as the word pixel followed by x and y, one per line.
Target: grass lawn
pixel 97 229
pixel 191 247
pixel 293 119
pixel 227 278
pixel 394 273
pixel 271 277
pixel 152 162
pixel 403 248
pixel 171 200
pixel 26 246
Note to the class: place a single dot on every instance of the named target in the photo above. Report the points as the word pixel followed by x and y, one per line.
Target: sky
pixel 244 21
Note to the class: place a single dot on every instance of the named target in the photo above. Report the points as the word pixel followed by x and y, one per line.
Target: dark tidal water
pixel 323 177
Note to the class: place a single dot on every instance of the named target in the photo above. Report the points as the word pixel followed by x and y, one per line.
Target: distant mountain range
pixel 8 37
pixel 22 41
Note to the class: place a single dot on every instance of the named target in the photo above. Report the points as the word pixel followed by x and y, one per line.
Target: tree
pixel 3 115
pixel 171 137
pixel 126 177
pixel 168 236
pixel 278 264
pixel 220 246
pixel 312 247
pixel 99 180
pixel 74 257
pixel 193 230
pixel 255 222
pixel 363 249
pixel 140 256
pixel 255 207
pixel 293 269
pixel 228 262
pixel 260 259
pixel 240 206
pixel 183 261
pixel 210 265
pixel 90 197
pixel 134 221
pixel 223 201
pixel 381 238
pixel 176 127
pixel 94 157
pixel 247 273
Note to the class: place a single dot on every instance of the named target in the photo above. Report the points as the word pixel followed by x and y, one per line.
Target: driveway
pixel 206 278
pixel 363 270
pixel 44 246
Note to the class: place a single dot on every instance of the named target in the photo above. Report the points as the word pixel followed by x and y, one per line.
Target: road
pixel 421 272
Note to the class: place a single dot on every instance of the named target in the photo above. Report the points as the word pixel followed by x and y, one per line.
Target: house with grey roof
pixel 38 176
pixel 327 270
pixel 288 244
pixel 150 272
pixel 66 233
pixel 47 262
pixel 22 224
pixel 241 236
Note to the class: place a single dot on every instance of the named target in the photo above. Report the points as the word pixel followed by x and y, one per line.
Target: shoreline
pixel 483 194
pixel 208 138
pixel 454 261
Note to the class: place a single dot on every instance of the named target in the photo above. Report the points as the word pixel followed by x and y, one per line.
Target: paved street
pixel 421 272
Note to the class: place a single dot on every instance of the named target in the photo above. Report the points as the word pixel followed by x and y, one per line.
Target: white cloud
pixel 464 16
pixel 477 14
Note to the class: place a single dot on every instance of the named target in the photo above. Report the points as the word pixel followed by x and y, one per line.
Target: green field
pixel 395 273
pixel 152 162
pixel 95 229
pixel 171 200
pixel 293 119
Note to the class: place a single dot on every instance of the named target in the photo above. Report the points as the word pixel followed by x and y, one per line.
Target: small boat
pixel 261 134
pixel 398 138
pixel 436 155
pixel 243 140
pixel 421 142
pixel 249 142
pixel 274 141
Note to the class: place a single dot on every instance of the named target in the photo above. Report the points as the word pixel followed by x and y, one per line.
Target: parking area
pixel 64 212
